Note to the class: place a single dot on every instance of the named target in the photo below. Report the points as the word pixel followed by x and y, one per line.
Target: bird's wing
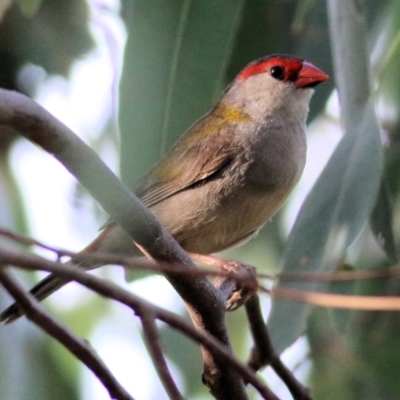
pixel 201 153
pixel 187 165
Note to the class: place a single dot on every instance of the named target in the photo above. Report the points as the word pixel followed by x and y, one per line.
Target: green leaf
pixel 175 60
pixel 330 219
pixel 30 7
pixel 341 319
pixel 261 33
pixel 381 223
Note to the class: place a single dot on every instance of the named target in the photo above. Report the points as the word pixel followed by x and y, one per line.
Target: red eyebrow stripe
pixel 292 67
pixel 253 69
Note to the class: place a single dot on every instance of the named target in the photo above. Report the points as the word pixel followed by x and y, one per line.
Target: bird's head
pixel 267 84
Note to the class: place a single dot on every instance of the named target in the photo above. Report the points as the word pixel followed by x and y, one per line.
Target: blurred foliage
pixel 179 56
pixel 51 34
pixel 175 58
pixel 48 33
pixel 330 219
pixel 291 26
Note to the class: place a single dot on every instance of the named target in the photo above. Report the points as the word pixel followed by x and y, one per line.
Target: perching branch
pixel 263 353
pixel 347 302
pixel 78 347
pixel 205 304
pixel 152 339
pixel 247 278
pixel 112 291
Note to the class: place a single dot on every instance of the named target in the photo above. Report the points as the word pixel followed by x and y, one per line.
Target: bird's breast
pixel 223 211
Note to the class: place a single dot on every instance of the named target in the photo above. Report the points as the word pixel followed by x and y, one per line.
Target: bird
pixel 228 174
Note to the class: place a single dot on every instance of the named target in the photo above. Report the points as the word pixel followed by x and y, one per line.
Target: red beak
pixel 310 76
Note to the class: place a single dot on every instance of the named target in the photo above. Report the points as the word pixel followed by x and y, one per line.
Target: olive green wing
pixel 185 167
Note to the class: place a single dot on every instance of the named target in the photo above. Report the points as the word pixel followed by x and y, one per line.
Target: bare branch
pixel 27 241
pixel 349 302
pixel 152 339
pixel 78 347
pixel 229 274
pixel 341 276
pixel 145 264
pixel 205 304
pixel 263 353
pixel 110 290
pixel 322 299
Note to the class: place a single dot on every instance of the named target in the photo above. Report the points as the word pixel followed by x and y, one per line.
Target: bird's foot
pixel 237 282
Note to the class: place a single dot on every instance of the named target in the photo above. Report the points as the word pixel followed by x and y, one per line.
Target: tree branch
pixel 344 301
pixel 144 264
pixel 78 347
pixel 205 304
pixel 152 339
pixel 263 353
pixel 107 289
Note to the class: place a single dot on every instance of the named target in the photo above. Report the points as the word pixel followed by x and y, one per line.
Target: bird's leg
pixel 238 281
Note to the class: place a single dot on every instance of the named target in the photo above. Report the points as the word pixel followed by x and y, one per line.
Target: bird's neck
pixel 262 100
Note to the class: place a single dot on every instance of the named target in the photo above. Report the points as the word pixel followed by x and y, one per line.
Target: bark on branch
pixel 205 304
pixel 138 306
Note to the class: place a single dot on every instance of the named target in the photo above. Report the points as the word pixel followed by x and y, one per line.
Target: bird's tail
pixel 43 289
pixel 111 240
pixel 40 291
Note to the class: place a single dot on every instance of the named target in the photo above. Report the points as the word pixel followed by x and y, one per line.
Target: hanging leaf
pixel 175 60
pixel 381 224
pixel 29 7
pixel 331 218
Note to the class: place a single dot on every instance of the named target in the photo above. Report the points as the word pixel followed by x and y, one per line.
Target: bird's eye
pixel 277 72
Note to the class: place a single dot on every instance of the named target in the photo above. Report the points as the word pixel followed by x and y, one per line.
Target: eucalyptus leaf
pixel 330 219
pixel 341 319
pixel 381 224
pixel 29 7
pixel 175 59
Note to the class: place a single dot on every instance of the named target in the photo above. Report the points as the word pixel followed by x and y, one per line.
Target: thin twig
pixel 78 347
pixel 28 241
pixel 349 302
pixel 160 267
pixel 112 291
pixel 204 303
pixel 340 276
pixel 263 353
pixel 317 298
pixel 152 339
